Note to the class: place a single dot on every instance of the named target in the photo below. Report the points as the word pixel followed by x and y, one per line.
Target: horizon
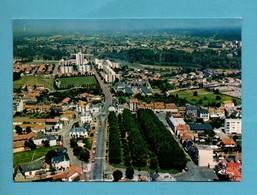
pixel 121 25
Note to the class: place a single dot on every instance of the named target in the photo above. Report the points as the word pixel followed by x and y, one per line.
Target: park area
pixel 77 81
pixel 203 98
pixel 31 155
pixel 34 80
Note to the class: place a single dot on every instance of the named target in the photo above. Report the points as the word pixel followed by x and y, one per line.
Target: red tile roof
pixel 65 100
pixel 133 100
pixel 24 136
pixel 228 141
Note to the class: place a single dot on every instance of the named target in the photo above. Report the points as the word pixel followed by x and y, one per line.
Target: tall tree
pixel 28 129
pixel 18 129
pixel 130 172
pixel 117 175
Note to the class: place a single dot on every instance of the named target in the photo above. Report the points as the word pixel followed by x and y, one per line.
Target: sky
pixel 117 25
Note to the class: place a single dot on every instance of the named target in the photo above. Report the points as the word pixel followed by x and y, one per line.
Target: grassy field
pixel 77 81
pixel 206 97
pixel 32 80
pixel 31 155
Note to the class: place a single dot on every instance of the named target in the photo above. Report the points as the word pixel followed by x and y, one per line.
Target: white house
pixel 95 108
pixel 61 160
pixel 81 106
pixel 38 140
pixel 233 126
pixel 78 132
pixel 204 114
pixel 86 117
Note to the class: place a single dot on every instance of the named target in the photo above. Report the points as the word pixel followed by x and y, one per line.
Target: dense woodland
pixel 198 58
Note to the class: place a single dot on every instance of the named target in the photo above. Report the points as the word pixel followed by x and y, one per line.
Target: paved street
pixel 98 165
pixel 66 143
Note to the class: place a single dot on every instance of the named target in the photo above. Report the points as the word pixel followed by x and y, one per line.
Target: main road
pixel 98 165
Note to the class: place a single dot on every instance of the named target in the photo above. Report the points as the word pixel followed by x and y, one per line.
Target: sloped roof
pixel 24 136
pixel 66 100
pixel 228 141
pixel 199 127
pixel 32 166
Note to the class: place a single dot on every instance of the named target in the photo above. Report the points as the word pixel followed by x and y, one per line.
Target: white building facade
pixel 233 126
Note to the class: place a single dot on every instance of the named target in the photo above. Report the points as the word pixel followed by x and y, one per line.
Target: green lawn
pixel 31 155
pixel 77 81
pixel 206 97
pixel 32 80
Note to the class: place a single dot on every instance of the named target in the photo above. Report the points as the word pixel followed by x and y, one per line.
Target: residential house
pixel 216 113
pixel 18 146
pixel 94 108
pixel 19 141
pixel 182 110
pixel 228 104
pixel 37 108
pixel 183 133
pixel 171 108
pixel 27 171
pixel 81 106
pixel 159 107
pixel 203 114
pixel 191 112
pixel 86 117
pixel 38 140
pixel 227 142
pixel 61 161
pixel 72 174
pixel 234 171
pixel 78 132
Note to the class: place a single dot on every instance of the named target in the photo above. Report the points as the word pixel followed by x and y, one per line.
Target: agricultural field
pixel 31 155
pixel 33 80
pixel 77 81
pixel 203 98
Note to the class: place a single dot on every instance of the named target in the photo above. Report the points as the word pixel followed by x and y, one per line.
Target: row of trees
pixel 137 145
pixel 114 139
pixel 19 130
pixel 124 141
pixel 162 144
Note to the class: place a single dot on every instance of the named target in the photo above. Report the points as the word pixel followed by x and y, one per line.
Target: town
pixel 127 107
